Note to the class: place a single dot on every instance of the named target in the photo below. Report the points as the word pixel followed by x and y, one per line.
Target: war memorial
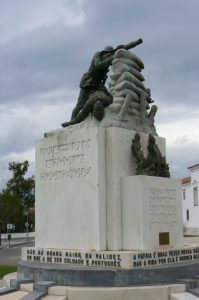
pixel 107 212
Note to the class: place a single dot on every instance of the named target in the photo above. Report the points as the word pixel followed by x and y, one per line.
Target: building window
pixel 195 196
pixel 183 194
pixel 187 211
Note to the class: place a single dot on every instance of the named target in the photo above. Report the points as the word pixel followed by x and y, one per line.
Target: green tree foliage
pixel 22 187
pixel 11 211
pixel 17 198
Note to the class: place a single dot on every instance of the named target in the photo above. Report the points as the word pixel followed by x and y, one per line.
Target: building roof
pixel 186 180
pixel 194 166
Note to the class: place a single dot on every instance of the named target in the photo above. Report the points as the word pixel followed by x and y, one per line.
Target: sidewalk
pixel 16 242
pixel 17 238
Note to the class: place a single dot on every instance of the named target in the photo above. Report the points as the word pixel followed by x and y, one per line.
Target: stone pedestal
pixel 78 187
pixel 151 213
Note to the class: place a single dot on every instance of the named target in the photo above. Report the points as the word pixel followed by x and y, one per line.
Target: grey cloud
pixel 23 124
pixel 55 56
pixel 181 155
pixel 23 16
pixel 43 60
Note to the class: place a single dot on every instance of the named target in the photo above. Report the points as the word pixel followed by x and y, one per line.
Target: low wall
pixel 193 231
pixel 18 235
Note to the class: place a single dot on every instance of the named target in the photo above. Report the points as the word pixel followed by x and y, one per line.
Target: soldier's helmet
pixel 108 49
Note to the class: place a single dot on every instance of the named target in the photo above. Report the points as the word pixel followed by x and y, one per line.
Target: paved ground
pixel 10 254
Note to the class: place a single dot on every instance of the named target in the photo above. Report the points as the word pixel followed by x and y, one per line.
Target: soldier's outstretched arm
pixel 103 61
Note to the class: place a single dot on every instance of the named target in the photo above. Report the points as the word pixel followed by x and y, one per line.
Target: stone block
pixel 58 290
pixel 26 287
pixel 10 276
pixel 129 293
pixel 119 163
pixel 14 296
pixel 177 288
pixel 71 190
pixel 151 213
pixel 3 283
pixel 51 297
pixel 183 296
pixel 42 286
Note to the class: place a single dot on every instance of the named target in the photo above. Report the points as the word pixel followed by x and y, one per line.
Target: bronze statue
pixel 94 79
pixel 95 104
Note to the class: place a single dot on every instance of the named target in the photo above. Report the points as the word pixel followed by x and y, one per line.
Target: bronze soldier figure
pixel 94 79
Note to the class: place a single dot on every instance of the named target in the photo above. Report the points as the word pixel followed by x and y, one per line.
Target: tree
pixel 23 188
pixel 17 199
pixel 11 212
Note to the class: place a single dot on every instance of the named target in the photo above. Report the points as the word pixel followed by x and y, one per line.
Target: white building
pixel 190 201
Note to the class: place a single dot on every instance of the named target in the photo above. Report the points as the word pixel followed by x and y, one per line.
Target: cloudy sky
pixel 46 45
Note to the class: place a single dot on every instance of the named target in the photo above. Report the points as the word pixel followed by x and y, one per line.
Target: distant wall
pixel 18 235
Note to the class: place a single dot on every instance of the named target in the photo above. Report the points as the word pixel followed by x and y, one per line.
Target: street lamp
pixel 27 223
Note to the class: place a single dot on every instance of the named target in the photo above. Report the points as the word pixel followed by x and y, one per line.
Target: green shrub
pixel 6 270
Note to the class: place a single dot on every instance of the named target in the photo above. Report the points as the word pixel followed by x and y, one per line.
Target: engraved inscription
pixel 157 258
pixel 65 148
pixel 97 259
pixel 162 206
pixel 65 161
pixel 63 174
pixel 60 162
pixel 103 259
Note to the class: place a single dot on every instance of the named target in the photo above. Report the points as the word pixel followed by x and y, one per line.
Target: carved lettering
pixel 100 259
pixel 65 148
pixel 162 206
pixel 112 260
pixel 63 174
pixel 60 162
pixel 65 161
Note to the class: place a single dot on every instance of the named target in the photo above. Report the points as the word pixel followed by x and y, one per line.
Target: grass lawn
pixel 7 269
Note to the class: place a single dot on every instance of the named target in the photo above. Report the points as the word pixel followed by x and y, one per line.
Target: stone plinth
pixel 151 271
pixel 151 213
pixel 78 187
pixel 71 190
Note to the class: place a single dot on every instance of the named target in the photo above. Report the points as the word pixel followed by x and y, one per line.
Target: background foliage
pixel 17 200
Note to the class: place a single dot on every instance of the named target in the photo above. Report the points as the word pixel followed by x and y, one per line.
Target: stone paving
pixel 14 296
